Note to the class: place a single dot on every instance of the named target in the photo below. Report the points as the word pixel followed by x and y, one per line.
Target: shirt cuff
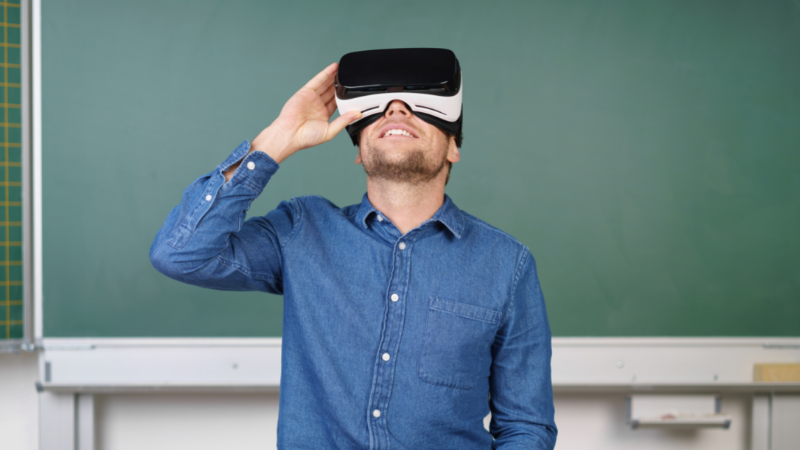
pixel 254 171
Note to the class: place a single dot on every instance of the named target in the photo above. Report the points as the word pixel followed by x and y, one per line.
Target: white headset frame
pixel 445 108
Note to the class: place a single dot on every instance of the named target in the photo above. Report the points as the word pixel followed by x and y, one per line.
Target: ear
pixel 358 158
pixel 452 151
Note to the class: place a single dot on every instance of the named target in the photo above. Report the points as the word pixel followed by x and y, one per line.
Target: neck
pixel 406 205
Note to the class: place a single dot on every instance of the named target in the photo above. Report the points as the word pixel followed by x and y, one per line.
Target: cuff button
pixel 251 165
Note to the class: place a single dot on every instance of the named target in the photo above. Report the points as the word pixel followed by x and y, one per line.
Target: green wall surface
pixel 647 152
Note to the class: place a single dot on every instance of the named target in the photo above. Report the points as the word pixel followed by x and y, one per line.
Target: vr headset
pixel 428 80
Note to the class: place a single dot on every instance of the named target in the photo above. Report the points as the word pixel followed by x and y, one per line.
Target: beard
pixel 416 167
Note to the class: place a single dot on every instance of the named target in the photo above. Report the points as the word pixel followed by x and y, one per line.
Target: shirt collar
pixel 448 214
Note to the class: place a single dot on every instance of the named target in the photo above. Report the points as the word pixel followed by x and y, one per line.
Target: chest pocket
pixel 456 349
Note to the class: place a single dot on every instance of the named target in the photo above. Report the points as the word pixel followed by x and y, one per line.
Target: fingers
pixel 328 94
pixel 331 106
pixel 322 79
pixel 338 125
pixel 327 84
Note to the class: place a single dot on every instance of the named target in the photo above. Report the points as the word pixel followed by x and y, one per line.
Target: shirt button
pixel 208 197
pixel 395 297
pixel 402 246
pixel 380 218
pixel 376 413
pixel 386 356
pixel 251 165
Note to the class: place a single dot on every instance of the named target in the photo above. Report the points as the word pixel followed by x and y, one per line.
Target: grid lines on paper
pixel 10 172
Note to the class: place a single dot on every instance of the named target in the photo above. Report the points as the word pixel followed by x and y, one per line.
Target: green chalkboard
pixel 647 152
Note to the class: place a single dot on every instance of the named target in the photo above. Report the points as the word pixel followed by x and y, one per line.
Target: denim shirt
pixel 390 340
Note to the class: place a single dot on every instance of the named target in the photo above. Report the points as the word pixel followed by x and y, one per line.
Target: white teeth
pixel 397 132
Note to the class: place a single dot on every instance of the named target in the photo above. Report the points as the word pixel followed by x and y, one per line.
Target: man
pixel 406 320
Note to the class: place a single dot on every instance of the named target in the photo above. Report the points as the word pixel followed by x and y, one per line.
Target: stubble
pixel 415 168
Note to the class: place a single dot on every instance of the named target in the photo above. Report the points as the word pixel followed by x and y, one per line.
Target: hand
pixel 303 121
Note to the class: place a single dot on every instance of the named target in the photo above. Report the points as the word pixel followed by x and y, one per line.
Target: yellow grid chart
pixel 10 173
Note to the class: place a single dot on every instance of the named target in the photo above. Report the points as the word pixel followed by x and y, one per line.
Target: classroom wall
pixel 249 421
pixel 19 406
pixel 214 421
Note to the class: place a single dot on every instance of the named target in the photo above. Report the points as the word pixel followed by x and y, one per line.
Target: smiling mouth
pixel 397 132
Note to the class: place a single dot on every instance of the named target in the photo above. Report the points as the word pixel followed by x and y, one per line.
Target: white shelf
pixel 717 421
pixel 676 411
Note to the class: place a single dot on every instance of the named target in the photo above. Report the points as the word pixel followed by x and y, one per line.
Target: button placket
pixel 390 342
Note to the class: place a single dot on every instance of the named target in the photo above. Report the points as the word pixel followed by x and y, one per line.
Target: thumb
pixel 338 125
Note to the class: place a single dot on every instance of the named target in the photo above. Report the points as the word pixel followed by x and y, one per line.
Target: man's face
pixel 402 148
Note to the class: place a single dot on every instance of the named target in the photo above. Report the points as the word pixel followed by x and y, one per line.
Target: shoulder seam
pixel 477 221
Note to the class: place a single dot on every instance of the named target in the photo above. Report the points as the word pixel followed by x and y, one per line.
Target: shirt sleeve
pixel 521 390
pixel 205 240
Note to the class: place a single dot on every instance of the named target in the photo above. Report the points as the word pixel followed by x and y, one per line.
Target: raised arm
pixel 303 121
pixel 205 240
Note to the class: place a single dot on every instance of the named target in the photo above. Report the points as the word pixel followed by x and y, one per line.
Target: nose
pixel 398 108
